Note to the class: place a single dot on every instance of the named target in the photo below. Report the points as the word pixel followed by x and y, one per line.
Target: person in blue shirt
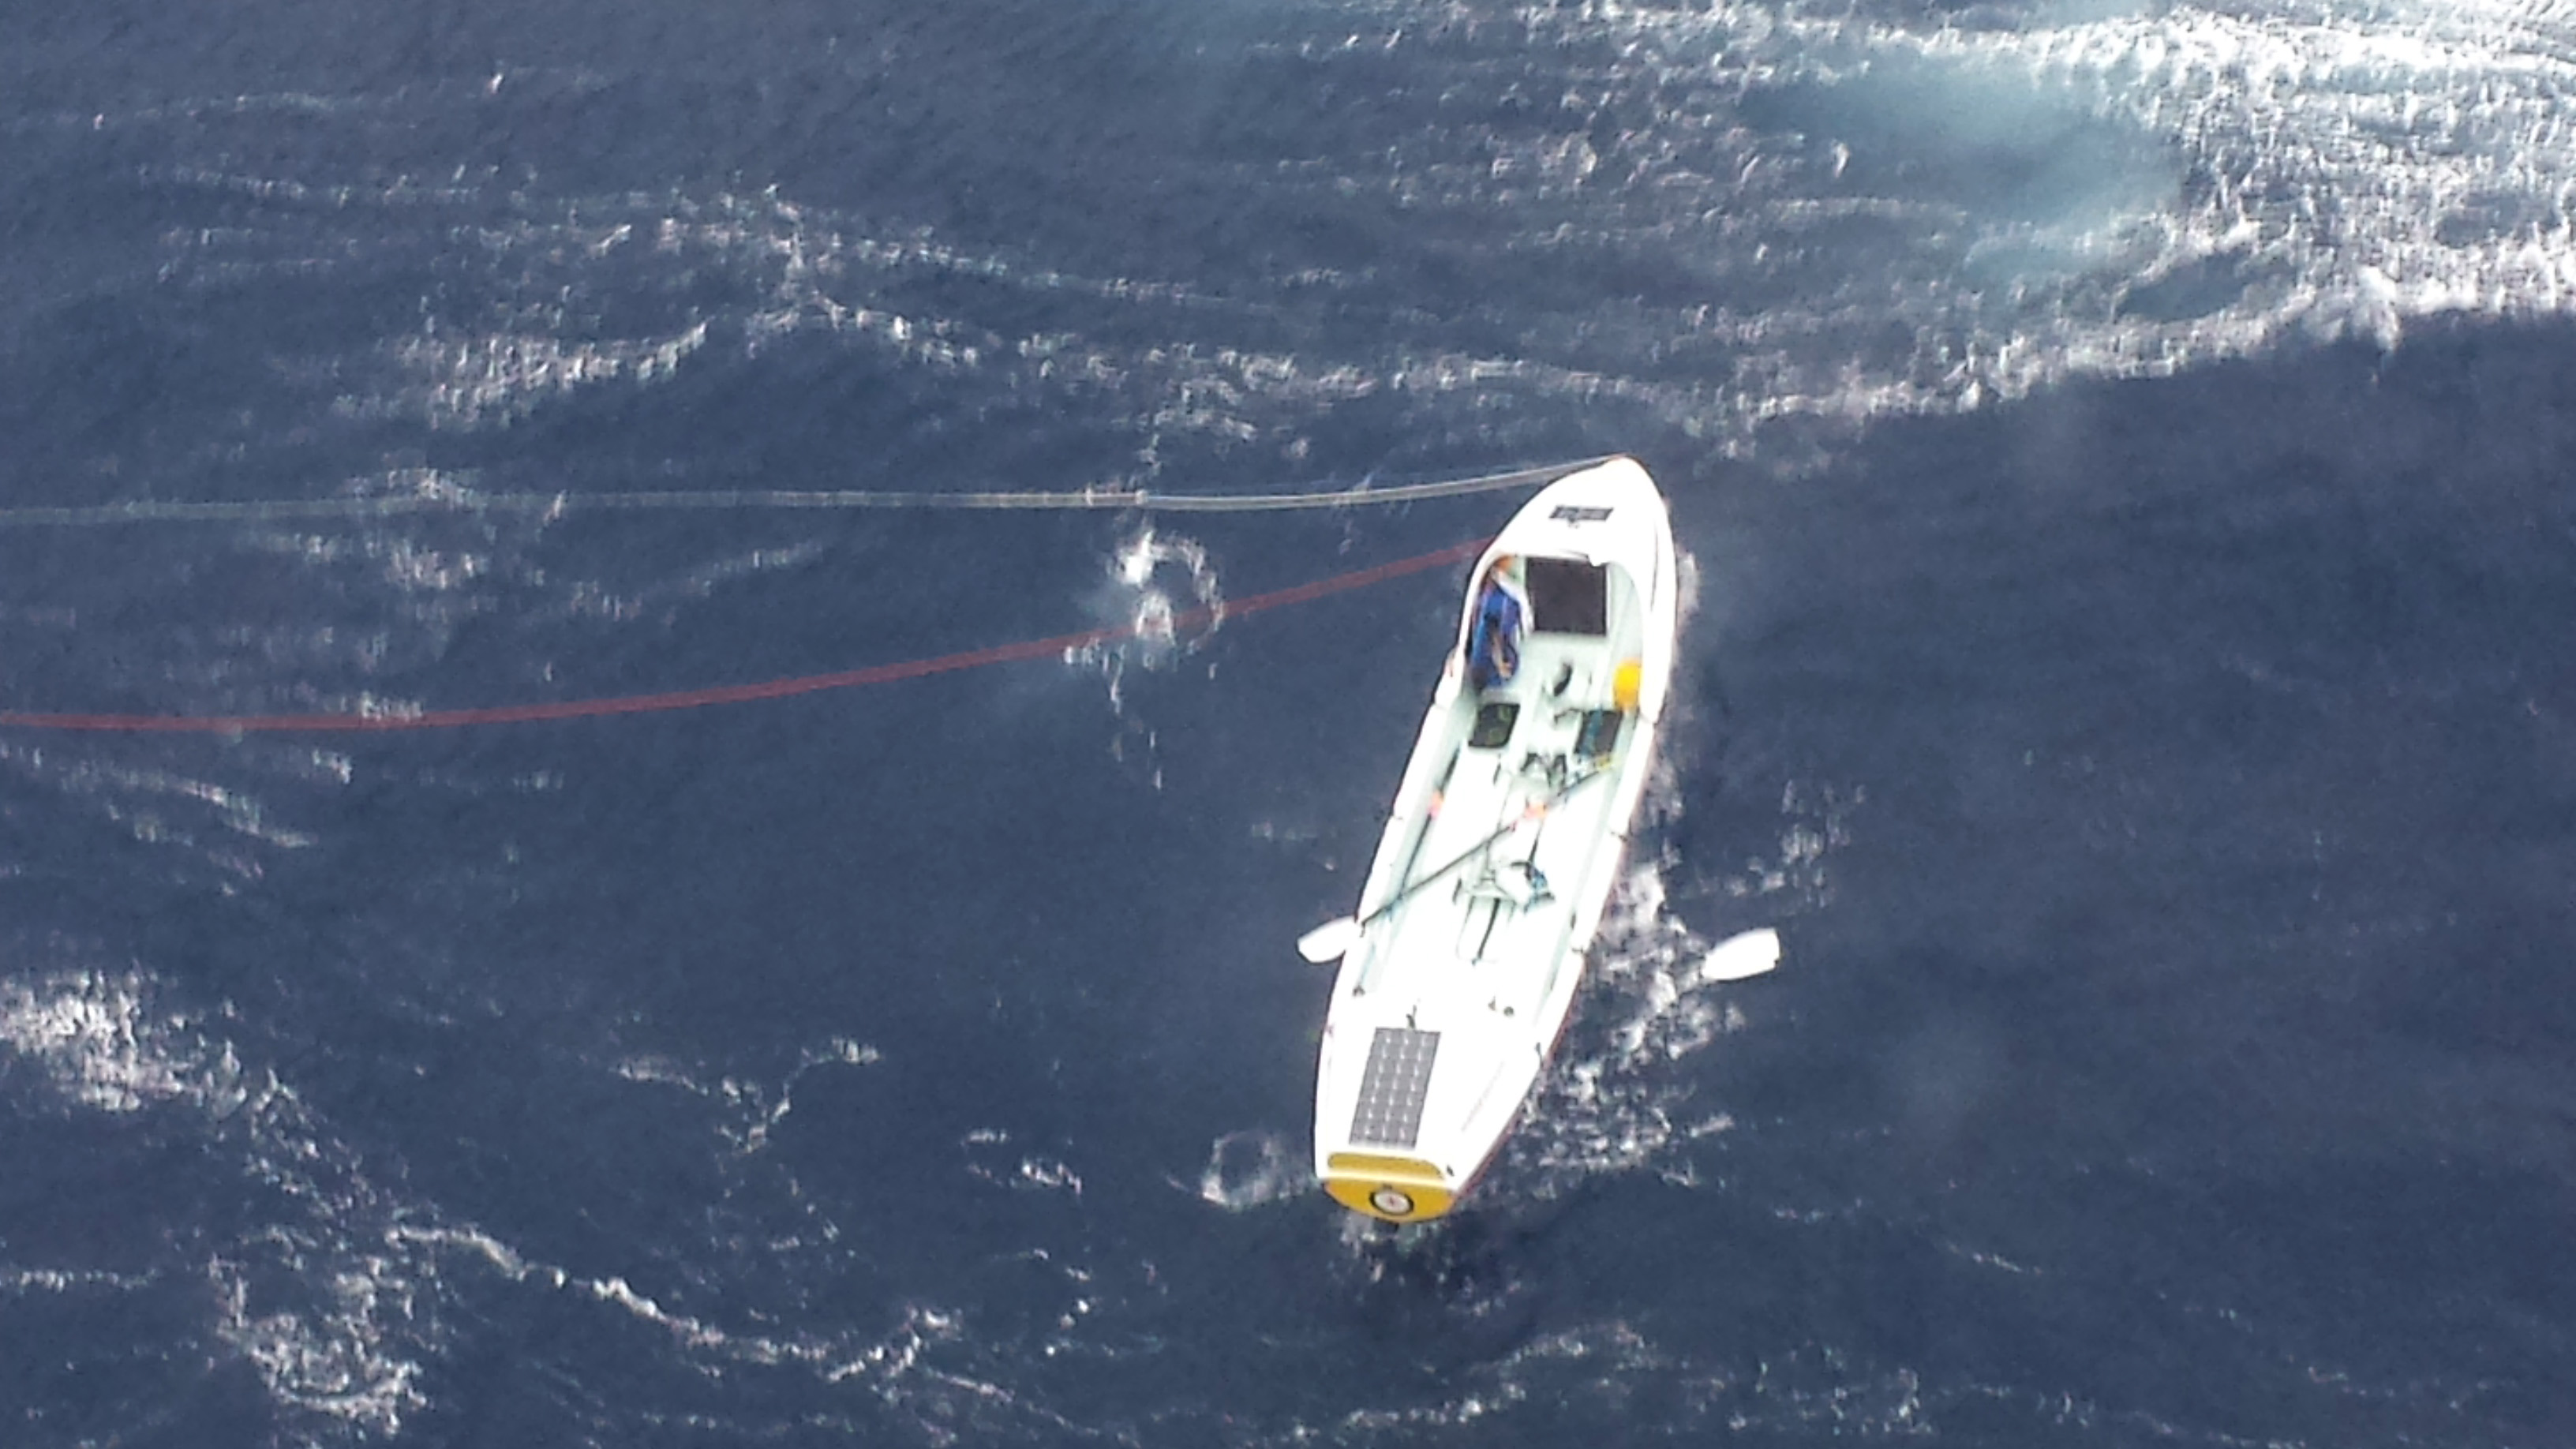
pixel 1494 634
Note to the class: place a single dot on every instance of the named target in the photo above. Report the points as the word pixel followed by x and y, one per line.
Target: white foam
pixel 588 598
pixel 1619 1099
pixel 223 825
pixel 325 1301
pixel 761 1106
pixel 1162 590
pixel 328 1353
pixel 23 1281
pixel 1251 1169
pixel 1621 1108
pixel 834 1358
pixel 2359 166
pixel 333 1299
pixel 101 1046
pixel 479 380
pixel 1815 822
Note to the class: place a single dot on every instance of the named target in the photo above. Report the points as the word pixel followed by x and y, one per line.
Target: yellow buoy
pixel 1627 684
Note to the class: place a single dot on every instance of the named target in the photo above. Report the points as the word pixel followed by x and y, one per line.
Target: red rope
pixel 437 719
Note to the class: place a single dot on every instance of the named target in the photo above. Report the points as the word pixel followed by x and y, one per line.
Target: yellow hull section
pixel 1391 1189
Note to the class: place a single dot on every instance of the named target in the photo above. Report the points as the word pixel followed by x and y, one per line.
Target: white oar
pixel 1333 940
pixel 1330 941
pixel 1737 957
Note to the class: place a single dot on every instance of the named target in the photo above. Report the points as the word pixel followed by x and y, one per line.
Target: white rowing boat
pixel 1501 850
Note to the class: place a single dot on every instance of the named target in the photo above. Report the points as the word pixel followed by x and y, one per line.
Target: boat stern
pixel 1392 1135
pixel 1390 1188
pixel 1371 1148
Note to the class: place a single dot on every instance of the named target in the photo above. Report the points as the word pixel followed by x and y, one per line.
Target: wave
pixel 325 1298
pixel 1721 215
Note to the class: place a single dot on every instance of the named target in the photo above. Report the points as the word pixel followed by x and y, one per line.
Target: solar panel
pixel 1394 1086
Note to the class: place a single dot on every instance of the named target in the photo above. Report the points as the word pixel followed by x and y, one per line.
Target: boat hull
pixel 1501 848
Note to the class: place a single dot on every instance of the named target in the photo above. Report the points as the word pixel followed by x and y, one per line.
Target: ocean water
pixel 2124 453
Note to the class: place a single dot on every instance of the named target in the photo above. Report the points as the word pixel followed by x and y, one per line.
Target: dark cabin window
pixel 1567 597
pixel 1600 733
pixel 1493 725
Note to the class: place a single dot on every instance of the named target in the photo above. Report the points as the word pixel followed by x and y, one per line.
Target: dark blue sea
pixel 2126 454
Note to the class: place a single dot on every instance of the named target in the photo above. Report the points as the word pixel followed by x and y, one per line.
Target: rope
pixel 727 693
pixel 449 499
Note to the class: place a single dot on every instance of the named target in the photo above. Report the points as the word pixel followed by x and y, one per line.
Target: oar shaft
pixel 1479 848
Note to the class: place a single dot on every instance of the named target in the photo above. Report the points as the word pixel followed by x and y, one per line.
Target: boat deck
pixel 1522 758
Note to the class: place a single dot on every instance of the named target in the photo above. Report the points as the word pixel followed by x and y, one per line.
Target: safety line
pixel 726 693
pixel 456 500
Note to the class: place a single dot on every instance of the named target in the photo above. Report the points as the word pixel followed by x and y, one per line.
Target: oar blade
pixel 1738 957
pixel 1330 941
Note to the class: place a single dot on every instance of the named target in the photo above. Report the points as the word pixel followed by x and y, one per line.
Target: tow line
pixel 440 719
pixel 433 492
